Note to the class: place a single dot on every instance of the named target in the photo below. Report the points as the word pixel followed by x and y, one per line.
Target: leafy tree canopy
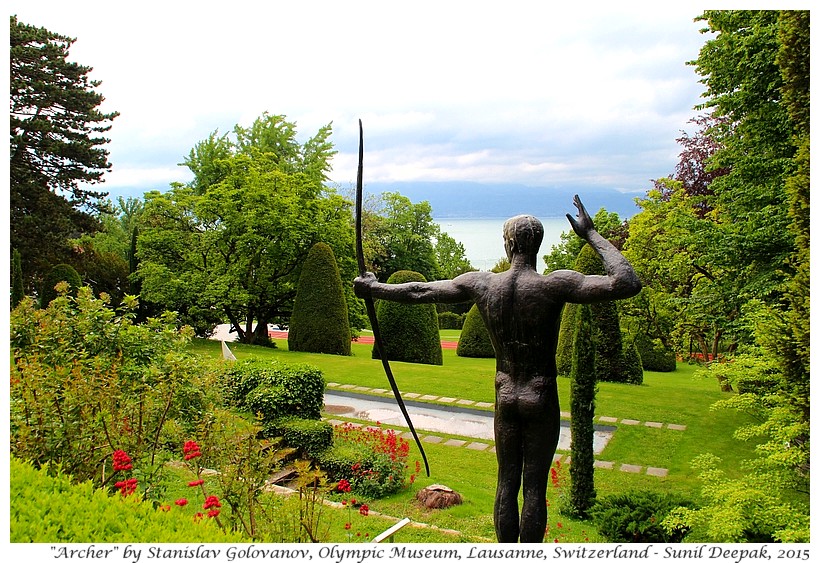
pixel 231 244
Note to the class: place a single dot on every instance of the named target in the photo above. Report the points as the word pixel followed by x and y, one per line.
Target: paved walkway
pixel 449 405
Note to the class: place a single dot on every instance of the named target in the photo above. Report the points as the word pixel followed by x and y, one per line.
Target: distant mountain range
pixel 471 199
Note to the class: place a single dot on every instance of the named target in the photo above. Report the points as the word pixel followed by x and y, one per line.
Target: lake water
pixel 483 238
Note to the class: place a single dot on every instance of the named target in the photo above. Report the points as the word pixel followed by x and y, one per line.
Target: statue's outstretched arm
pixel 621 280
pixel 441 291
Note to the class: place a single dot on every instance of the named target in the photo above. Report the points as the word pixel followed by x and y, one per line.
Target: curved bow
pixel 371 307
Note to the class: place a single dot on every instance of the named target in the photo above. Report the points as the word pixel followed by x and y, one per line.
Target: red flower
pixel 196 483
pixel 364 510
pixel 213 513
pixel 191 450
pixel 165 507
pixel 121 461
pixel 211 502
pixel 126 487
pixel 181 501
pixel 347 526
pixel 343 486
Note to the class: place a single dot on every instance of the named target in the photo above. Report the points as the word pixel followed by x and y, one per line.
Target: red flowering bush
pixel 372 461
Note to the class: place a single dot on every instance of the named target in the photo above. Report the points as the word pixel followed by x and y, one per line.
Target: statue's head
pixel 523 235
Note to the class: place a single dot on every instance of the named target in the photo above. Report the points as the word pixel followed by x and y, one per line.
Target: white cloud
pixel 525 92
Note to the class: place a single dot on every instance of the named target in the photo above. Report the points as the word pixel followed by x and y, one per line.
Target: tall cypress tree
pixel 582 405
pixel 17 292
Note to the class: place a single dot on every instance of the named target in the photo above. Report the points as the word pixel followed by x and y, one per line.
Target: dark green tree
pixel 56 147
pixel 57 274
pixel 17 291
pixel 474 341
pixel 582 404
pixel 319 322
pixel 410 332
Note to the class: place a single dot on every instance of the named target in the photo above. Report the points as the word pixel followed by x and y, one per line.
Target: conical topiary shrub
pixel 410 332
pixel 319 322
pixel 58 273
pixel 474 341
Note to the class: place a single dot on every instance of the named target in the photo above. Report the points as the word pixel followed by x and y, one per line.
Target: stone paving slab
pixel 654 424
pixel 411 395
pixel 607 419
pixel 478 446
pixel 657 471
pixel 630 422
pixel 676 426
pixel 628 468
pixel 433 439
pixel 604 464
pixel 483 405
pixel 465 402
pixel 429 397
pixel 455 443
pixel 446 400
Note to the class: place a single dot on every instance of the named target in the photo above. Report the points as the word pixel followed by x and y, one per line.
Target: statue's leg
pixel 540 441
pixel 508 449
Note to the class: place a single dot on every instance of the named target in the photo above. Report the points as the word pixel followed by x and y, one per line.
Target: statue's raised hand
pixel 582 225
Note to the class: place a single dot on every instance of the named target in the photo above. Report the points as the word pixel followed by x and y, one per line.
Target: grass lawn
pixel 678 397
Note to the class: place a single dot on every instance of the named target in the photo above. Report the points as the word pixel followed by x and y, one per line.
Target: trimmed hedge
pixel 632 367
pixel 309 436
pixel 319 322
pixel 47 509
pixel 654 355
pixel 410 332
pixel 450 320
pixel 474 341
pixel 275 390
pixel 58 273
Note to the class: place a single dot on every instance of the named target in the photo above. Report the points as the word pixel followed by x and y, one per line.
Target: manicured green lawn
pixel 678 397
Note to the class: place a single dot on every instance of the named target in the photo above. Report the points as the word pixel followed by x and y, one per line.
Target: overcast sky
pixel 496 92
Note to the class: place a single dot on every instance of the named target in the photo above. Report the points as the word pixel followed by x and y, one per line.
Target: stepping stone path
pixel 489 447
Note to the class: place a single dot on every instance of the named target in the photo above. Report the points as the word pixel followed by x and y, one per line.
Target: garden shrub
pixel 17 290
pixel 563 352
pixel 52 509
pixel 86 380
pixel 450 320
pixel 632 367
pixel 654 355
pixel 274 390
pixel 410 332
pixel 57 274
pixel 308 436
pixel 319 322
pixel 475 338
pixel 636 517
pixel 373 461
